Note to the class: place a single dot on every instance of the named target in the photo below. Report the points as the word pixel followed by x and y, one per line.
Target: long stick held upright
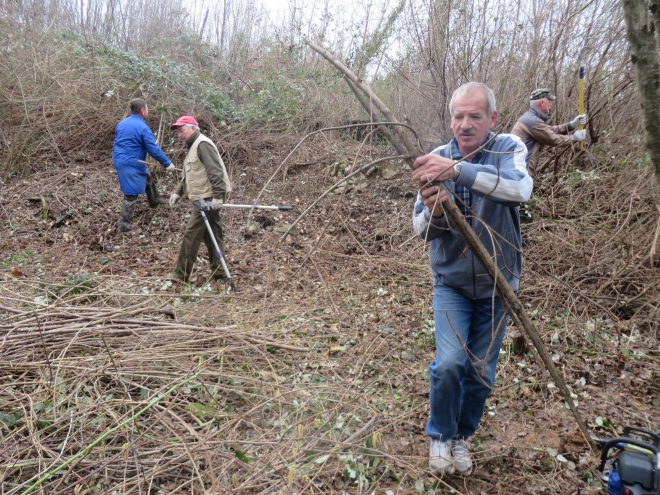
pixel 581 89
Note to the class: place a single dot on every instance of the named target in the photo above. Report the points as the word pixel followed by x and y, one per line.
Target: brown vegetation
pixel 313 374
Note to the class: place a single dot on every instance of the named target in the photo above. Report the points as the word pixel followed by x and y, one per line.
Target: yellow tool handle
pixel 581 100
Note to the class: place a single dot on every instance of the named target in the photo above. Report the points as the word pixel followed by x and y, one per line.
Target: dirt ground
pixel 358 309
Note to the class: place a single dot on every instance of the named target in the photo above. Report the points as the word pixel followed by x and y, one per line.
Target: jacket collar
pixel 543 116
pixel 192 139
pixel 456 153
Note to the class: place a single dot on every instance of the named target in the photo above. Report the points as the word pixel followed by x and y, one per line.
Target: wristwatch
pixel 457 169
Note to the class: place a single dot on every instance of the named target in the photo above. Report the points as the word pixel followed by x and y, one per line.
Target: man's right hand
pixel 433 168
pixel 579 120
pixel 431 200
pixel 170 167
pixel 174 199
pixel 579 136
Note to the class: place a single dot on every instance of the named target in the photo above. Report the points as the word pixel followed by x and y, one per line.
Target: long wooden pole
pixel 581 90
pixel 457 220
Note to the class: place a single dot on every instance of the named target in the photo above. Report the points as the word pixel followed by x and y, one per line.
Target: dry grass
pixel 312 379
pixel 348 409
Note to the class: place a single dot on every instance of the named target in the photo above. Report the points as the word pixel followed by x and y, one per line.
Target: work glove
pixel 170 167
pixel 579 136
pixel 174 199
pixel 216 204
pixel 579 120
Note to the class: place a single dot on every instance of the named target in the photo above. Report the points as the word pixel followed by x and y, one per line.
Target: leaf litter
pixel 314 375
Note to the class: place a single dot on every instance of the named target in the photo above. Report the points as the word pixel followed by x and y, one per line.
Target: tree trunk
pixel 644 55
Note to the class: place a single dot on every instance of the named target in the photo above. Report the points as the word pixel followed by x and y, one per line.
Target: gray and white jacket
pixel 498 182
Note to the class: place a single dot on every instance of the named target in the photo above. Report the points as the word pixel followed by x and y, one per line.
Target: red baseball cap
pixel 186 119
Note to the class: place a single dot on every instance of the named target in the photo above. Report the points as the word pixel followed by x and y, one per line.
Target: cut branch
pixel 350 75
pixel 376 118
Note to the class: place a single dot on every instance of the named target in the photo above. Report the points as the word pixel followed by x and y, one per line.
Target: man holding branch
pixel 487 177
pixel 532 126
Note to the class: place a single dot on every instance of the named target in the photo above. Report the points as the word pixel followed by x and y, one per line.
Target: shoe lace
pixel 441 448
pixel 461 448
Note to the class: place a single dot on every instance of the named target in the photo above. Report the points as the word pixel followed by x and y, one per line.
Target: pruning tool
pixel 203 207
pixel 259 207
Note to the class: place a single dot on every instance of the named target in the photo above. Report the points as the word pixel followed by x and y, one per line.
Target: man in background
pixel 204 178
pixel 133 140
pixel 532 126
pixel 487 185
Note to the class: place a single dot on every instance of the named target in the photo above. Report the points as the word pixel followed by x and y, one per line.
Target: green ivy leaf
pixel 10 419
pixel 242 457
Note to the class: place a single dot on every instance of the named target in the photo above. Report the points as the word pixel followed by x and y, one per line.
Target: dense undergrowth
pixel 313 376
pixel 61 104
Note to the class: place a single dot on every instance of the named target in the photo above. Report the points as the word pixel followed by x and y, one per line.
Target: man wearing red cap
pixel 204 177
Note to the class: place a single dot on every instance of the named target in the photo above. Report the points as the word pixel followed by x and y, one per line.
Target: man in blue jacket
pixel 133 140
pixel 486 175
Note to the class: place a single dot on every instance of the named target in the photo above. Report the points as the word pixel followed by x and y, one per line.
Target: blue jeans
pixel 468 334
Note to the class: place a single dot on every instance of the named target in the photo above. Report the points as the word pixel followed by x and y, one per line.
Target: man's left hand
pixel 433 197
pixel 579 136
pixel 433 168
pixel 216 204
pixel 170 167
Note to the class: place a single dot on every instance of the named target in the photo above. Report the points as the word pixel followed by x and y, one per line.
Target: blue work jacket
pixel 133 140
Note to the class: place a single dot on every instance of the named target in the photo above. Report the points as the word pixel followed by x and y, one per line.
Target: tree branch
pixel 341 67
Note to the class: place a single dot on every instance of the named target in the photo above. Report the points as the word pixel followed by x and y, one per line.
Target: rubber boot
pixel 126 213
pixel 152 193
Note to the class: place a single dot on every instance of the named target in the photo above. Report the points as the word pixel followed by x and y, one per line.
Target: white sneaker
pixel 440 458
pixel 461 454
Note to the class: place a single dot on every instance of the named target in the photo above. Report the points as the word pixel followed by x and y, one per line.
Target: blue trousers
pixel 468 334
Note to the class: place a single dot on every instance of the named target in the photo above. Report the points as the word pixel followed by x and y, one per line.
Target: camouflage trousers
pixel 196 232
pixel 130 202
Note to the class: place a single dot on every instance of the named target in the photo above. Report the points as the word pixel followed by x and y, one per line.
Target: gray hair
pixel 469 89
pixel 191 126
